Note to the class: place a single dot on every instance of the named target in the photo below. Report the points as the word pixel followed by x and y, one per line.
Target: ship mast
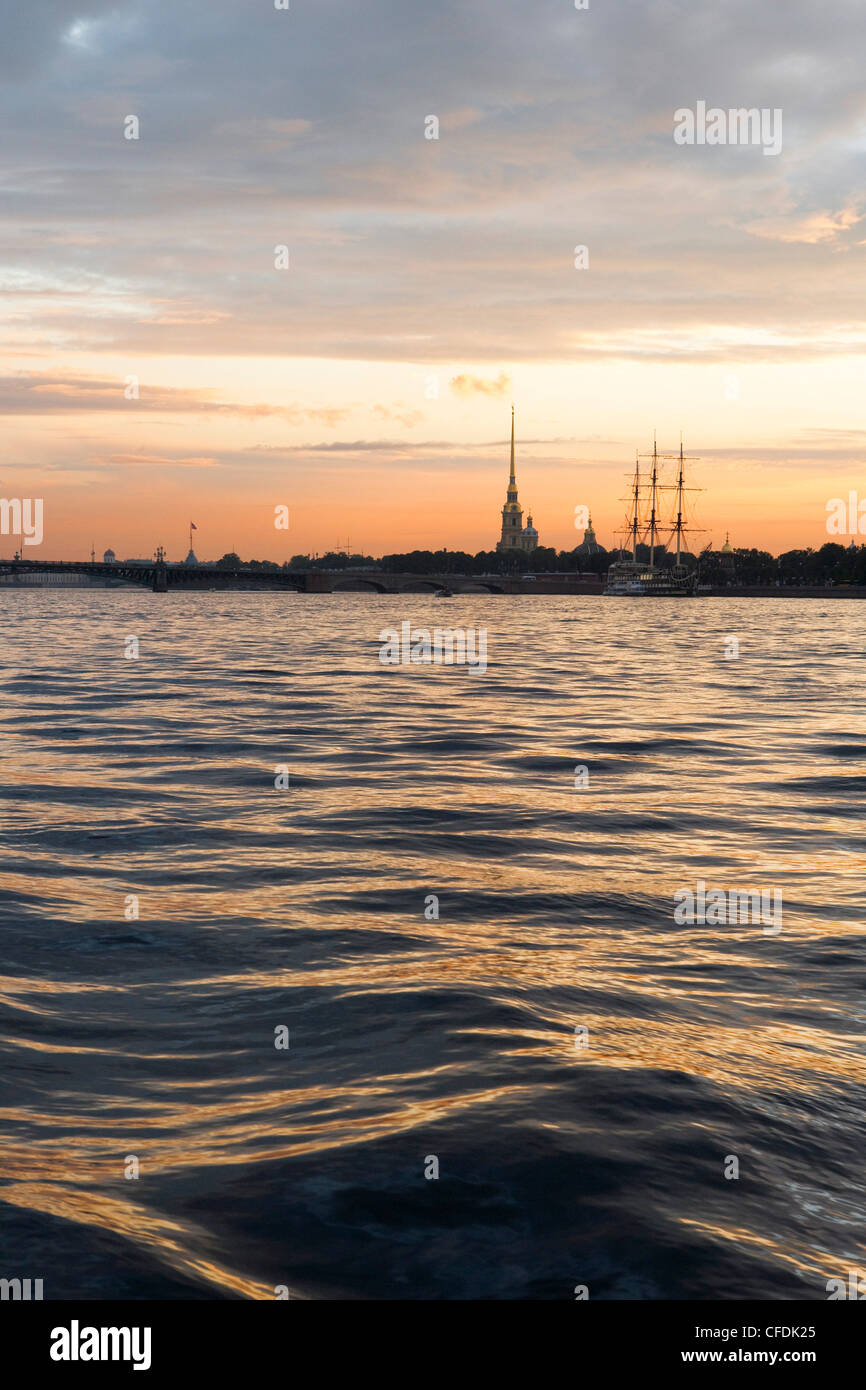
pixel 658 524
pixel 679 525
pixel 635 508
pixel 660 520
pixel 653 498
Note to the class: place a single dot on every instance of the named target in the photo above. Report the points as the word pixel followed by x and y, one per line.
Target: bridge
pixel 159 576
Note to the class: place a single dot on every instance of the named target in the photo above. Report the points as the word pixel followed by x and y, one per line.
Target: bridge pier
pixel 316 582
pixel 160 578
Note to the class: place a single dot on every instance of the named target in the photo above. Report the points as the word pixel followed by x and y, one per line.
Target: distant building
pixel 514 535
pixel 109 558
pixel 191 557
pixel 589 545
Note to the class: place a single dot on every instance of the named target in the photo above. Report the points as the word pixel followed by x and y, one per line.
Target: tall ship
pixel 650 525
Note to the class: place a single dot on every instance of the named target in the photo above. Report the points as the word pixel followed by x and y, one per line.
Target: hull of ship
pixel 641 583
pixel 647 591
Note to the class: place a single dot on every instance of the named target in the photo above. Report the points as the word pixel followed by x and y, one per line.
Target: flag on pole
pixel 193 526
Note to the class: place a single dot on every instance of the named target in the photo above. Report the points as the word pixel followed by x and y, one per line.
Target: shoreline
pixel 454 586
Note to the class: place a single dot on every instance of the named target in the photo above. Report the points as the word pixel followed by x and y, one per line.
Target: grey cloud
pixel 306 127
pixel 43 393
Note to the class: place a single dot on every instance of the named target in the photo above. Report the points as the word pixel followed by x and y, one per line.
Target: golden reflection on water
pixel 169 1240
pixel 556 903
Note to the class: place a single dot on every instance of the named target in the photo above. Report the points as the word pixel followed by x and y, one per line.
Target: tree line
pixel 832 563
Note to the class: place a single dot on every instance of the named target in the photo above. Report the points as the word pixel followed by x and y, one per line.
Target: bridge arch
pixel 478 586
pixel 360 586
pixel 423 586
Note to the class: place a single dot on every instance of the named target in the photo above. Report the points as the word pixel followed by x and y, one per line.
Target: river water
pixel 613 1099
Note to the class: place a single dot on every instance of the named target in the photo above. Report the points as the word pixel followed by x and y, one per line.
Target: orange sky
pixel 410 472
pixel 367 385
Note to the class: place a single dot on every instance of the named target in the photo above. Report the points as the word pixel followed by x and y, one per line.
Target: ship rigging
pixel 647 523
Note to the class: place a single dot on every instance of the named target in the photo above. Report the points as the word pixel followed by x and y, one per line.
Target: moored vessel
pixel 625 577
pixel 630 576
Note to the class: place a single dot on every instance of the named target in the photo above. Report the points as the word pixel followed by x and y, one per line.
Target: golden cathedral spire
pixel 514 535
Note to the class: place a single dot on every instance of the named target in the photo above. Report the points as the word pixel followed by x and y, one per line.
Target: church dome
pixel 589 545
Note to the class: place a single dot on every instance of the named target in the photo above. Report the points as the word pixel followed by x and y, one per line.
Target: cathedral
pixel 515 536
pixel 589 545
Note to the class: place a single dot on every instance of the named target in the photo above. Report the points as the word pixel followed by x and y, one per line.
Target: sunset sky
pixel 724 294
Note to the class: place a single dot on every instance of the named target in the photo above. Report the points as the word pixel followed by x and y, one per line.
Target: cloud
pixel 35 393
pixel 363 446
pixel 554 131
pixel 468 385
pixel 179 317
pixel 809 229
pixel 274 133
pixel 409 418
pixel 151 461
